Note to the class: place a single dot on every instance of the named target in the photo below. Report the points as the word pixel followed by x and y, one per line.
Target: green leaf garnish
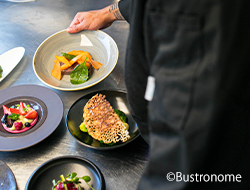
pixel 86 178
pixel 73 175
pixel 13 116
pixel 112 143
pixel 121 115
pixel 68 56
pixel 80 74
pixel 71 178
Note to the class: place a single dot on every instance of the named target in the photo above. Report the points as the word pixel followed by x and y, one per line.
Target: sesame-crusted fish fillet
pixel 102 122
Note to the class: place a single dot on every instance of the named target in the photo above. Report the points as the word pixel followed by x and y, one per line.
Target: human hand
pixel 95 20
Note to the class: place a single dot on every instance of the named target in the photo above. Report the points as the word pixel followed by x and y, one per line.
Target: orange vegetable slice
pixel 72 61
pixel 56 71
pixel 62 59
pixel 95 64
pixel 75 52
pixel 85 54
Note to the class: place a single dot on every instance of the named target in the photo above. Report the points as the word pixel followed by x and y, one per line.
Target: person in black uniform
pixel 194 61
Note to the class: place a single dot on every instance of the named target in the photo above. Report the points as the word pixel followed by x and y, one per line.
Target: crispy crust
pixel 102 122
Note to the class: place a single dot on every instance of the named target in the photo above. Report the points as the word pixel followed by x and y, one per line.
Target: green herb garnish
pixel 80 74
pixel 68 56
pixel 26 109
pixel 87 179
pixel 112 143
pixel 71 178
pixel 121 115
pixel 13 116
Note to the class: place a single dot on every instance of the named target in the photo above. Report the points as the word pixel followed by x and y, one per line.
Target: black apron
pixel 198 121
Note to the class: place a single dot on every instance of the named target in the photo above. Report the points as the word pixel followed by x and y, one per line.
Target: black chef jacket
pixel 198 121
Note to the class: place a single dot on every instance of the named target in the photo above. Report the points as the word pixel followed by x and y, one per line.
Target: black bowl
pixel 74 118
pixel 42 177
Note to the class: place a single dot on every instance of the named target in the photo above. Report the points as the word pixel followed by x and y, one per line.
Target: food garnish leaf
pixel 71 178
pixel 86 178
pixel 121 115
pixel 112 143
pixel 80 74
pixel 13 116
pixel 73 175
pixel 68 56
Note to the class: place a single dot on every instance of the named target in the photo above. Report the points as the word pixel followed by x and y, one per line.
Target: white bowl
pixel 103 50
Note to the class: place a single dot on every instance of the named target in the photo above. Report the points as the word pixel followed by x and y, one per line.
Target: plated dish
pixel 43 176
pixel 100 46
pixel 19 117
pixel 7 178
pixel 46 103
pixel 74 119
pixel 9 60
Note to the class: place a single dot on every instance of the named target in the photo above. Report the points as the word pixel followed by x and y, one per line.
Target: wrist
pixel 112 13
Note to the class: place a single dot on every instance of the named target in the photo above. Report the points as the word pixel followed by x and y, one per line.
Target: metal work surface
pixel 28 25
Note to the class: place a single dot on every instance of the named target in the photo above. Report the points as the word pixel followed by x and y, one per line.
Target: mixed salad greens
pixel 70 182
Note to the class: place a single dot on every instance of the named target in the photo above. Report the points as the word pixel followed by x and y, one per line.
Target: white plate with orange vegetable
pixel 73 62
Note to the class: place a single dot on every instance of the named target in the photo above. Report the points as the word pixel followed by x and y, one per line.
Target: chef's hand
pixel 95 20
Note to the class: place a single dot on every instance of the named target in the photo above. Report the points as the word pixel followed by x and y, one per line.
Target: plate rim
pixel 48 110
pixel 15 181
pixel 89 146
pixel 22 50
pixel 100 175
pixel 79 88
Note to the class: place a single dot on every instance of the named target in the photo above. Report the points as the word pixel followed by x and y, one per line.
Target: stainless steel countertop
pixel 27 25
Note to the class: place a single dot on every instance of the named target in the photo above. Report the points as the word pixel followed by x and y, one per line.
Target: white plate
pixel 100 45
pixel 10 59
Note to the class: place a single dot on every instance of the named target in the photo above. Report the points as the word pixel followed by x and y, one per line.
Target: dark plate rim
pixel 11 172
pixel 100 175
pixel 93 147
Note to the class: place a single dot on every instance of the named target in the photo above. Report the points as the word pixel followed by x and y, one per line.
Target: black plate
pixel 48 105
pixel 118 100
pixel 7 178
pixel 42 177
